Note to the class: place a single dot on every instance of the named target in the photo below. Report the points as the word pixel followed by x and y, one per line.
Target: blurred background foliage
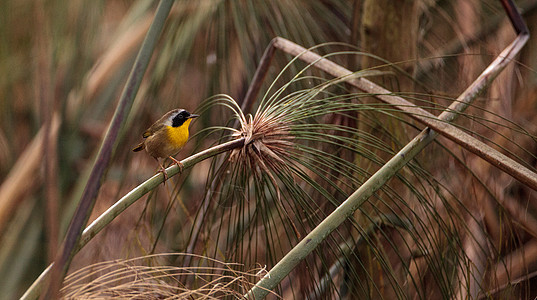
pixel 65 63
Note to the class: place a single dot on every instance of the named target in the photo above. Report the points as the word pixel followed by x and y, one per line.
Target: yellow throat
pixel 178 136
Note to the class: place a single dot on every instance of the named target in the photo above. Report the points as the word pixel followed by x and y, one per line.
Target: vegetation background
pixel 448 220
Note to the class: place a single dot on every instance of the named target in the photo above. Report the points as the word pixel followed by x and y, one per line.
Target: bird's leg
pixel 162 170
pixel 179 164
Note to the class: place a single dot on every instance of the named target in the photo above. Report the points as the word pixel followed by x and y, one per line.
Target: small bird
pixel 167 136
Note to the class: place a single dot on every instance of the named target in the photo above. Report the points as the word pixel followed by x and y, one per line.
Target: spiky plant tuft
pixel 267 140
pixel 297 163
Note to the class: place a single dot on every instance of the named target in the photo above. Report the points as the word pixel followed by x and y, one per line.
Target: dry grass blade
pixel 16 184
pixel 516 263
pixel 118 53
pixel 471 273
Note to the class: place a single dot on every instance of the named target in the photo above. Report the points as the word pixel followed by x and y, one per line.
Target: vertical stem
pixel 258 79
pixel 87 200
pixel 45 93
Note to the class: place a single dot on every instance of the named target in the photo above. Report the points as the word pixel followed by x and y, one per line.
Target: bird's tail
pixel 139 147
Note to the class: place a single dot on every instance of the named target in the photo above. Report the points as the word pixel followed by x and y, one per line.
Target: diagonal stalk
pixel 105 218
pixel 87 200
pixel 375 182
pixel 439 124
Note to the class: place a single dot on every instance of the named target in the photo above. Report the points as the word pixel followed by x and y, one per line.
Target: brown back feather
pixel 154 128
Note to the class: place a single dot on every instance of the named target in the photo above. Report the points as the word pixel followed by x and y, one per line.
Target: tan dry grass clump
pixel 148 277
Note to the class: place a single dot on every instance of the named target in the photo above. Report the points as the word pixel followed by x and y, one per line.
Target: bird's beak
pixel 193 116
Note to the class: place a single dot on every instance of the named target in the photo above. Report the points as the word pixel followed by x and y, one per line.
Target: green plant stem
pixel 375 182
pixel 105 218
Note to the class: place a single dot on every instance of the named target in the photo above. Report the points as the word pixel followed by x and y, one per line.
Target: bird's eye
pixel 180 116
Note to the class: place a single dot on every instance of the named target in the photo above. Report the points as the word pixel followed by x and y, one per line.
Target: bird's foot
pixel 178 163
pixel 163 171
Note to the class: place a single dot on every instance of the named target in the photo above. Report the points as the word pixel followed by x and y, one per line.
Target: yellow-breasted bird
pixel 167 136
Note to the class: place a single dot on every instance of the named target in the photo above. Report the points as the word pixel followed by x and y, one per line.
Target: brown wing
pixel 145 135
pixel 154 128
